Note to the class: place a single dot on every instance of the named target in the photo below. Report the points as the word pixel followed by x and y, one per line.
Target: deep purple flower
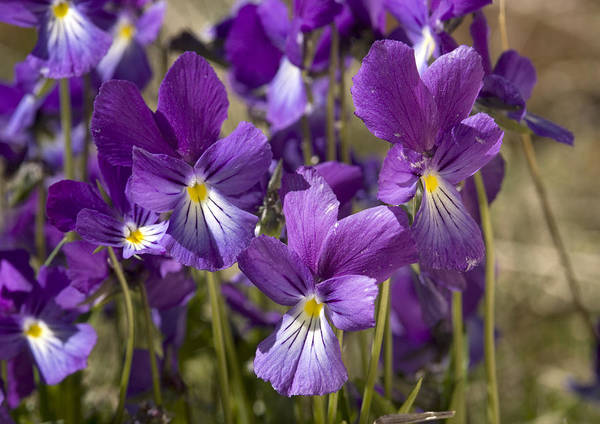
pixel 180 165
pixel 74 205
pixel 126 59
pixel 69 41
pixel 422 22
pixel 436 143
pixel 33 327
pixel 329 269
pixel 509 85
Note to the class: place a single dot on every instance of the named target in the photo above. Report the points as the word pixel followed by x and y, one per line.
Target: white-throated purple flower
pixel 329 269
pixel 37 323
pixel 70 43
pixel 74 205
pixel 181 166
pixel 132 31
pixel 435 140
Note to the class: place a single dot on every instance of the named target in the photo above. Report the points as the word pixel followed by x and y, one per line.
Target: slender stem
pixel 559 244
pixel 388 358
pixel 150 340
pixel 493 407
pixel 217 327
pixel 308 50
pixel 458 344
pixel 130 335
pixel 333 65
pixel 375 352
pixel 54 252
pixel 502 25
pixel 318 409
pixel 333 398
pixel 40 222
pixel 246 414
pixel 66 124
pixel 343 127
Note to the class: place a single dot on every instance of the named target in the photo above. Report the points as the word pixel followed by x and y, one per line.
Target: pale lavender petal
pixel 350 300
pixel 302 356
pixel 473 144
pixel 158 182
pixel 391 98
pixel 412 14
pixel 275 20
pixel 150 22
pixel 399 175
pixel 286 96
pixel 374 242
pixel 276 270
pixel 194 103
pixel 454 80
pixel 446 235
pixel 11 278
pixel 546 128
pixel 122 120
pixel 234 164
pixel 63 351
pixel 311 209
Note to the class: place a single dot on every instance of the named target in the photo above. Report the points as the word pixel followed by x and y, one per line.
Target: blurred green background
pixel 543 342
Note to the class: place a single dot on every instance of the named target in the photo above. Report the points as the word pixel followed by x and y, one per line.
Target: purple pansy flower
pixel 180 165
pixel 74 205
pixel 69 41
pixel 435 140
pixel 329 269
pixel 509 85
pixel 126 59
pixel 33 327
pixel 422 22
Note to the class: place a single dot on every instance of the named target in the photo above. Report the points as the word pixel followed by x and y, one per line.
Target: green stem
pixel 308 50
pixel 150 340
pixel 559 245
pixel 54 252
pixel 493 407
pixel 458 343
pixel 66 124
pixel 245 415
pixel 375 352
pixel 332 407
pixel 333 65
pixel 318 409
pixel 40 222
pixel 388 359
pixel 217 328
pixel 130 335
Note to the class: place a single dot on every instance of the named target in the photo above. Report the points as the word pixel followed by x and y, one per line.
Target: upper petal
pixel 121 120
pixel 194 102
pixel 374 242
pixel 392 100
pixel 276 270
pixel 517 69
pixel 454 80
pixel 286 96
pixel 350 300
pixel 149 24
pixel 311 209
pixel 236 163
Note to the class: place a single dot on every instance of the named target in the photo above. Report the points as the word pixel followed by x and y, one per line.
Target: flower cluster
pixel 318 231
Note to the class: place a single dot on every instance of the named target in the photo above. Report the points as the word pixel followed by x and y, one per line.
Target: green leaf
pixel 408 403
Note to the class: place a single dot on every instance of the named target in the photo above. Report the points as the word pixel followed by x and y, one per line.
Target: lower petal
pixel 302 356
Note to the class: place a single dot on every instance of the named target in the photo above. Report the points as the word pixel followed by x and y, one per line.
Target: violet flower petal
pixel 399 175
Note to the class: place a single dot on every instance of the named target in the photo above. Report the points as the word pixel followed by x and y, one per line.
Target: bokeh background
pixel 542 343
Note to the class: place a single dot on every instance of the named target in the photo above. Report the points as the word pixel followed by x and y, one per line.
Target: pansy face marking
pixel 35 329
pixel 126 31
pixel 198 192
pixel 313 308
pixel 431 182
pixel 60 9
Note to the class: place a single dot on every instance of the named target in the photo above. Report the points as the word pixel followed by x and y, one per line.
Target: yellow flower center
pixel 61 9
pixel 126 31
pixel 312 308
pixel 431 182
pixel 33 330
pixel 198 192
pixel 135 237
